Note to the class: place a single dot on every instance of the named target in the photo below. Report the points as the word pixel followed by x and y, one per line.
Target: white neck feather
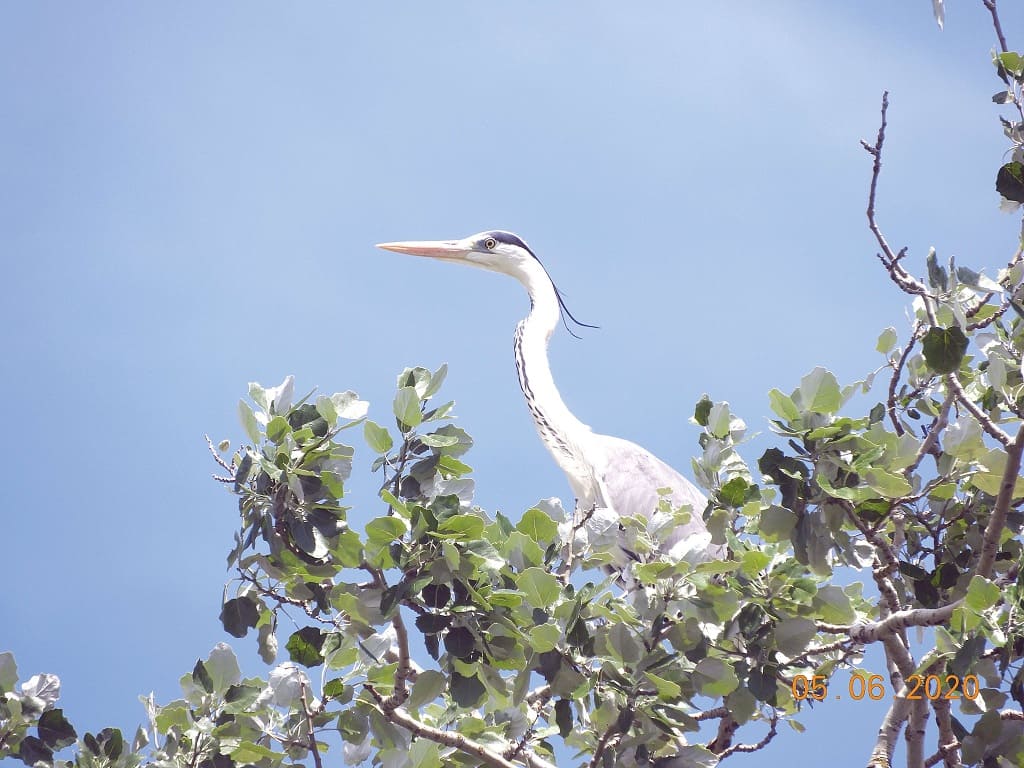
pixel 558 428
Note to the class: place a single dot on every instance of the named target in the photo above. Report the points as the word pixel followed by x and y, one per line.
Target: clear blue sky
pixel 190 193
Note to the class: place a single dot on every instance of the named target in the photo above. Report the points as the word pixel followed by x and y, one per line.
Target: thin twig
pixel 986 423
pixel 991 5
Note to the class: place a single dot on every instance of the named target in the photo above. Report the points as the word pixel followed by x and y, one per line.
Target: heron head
pixel 494 250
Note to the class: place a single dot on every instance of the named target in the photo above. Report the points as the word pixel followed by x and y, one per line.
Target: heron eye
pixel 489 243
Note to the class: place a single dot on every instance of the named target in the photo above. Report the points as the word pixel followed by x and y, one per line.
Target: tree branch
pixel 991 5
pixel 772 733
pixel 997 521
pixel 312 745
pixel 873 631
pixel 400 717
pixel 953 381
pixel 948 751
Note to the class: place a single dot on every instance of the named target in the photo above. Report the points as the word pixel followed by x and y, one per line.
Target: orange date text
pixel 873 687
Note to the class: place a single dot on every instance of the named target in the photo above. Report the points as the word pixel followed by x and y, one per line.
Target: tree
pixel 441 634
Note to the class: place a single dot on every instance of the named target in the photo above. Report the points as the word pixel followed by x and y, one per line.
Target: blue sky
pixel 190 193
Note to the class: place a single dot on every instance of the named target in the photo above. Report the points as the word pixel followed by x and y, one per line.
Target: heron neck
pixel 557 426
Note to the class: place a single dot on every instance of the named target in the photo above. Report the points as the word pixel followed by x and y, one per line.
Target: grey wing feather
pixel 630 477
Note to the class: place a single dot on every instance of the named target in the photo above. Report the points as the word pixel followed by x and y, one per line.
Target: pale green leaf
pixel 424 753
pixel 776 523
pixel 819 392
pixel 982 594
pixel 378 438
pixel 540 587
pixel 783 405
pixel 436 380
pixel 667 690
pixel 833 605
pixel 713 677
pixel 886 484
pixel 383 530
pixel 886 340
pixel 249 423
pixel 792 635
pixel 222 666
pixel 538 526
pixel 462 527
pixel 545 637
pixel 407 407
pixel 428 686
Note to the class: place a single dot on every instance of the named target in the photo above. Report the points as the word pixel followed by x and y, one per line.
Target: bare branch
pixel 949 747
pixel 772 732
pixel 881 754
pixel 991 5
pixel 986 423
pixel 915 732
pixel 873 631
pixel 312 745
pixel 997 521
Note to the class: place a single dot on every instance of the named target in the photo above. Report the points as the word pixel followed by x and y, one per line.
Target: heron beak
pixel 433 249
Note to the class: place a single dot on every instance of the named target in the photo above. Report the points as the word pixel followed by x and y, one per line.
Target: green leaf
pixel 776 523
pixel 563 717
pixel 383 530
pixel 792 635
pixel 434 440
pixel 1010 181
pixel 944 348
pixel 834 605
pixel 753 561
pixel 734 492
pixel 248 752
pixel 667 690
pixel 436 380
pixel 982 594
pixel 424 753
pixel 201 677
pixel 545 637
pixel 249 423
pixel 819 392
pixel 538 525
pixel 938 277
pixel 886 484
pixel 8 672
pixel 783 405
pixel 713 677
pixel 378 438
pixel 304 647
pixel 222 667
pixel 407 407
pixel 1012 62
pixel 278 429
pixel 55 731
pixel 467 692
pixel 428 686
pixel 701 410
pixel 886 340
pixel 540 587
pixel 464 527
pixel 239 615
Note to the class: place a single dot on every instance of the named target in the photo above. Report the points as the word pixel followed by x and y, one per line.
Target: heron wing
pixel 629 477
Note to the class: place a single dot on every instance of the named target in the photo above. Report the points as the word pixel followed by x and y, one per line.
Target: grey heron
pixel 605 473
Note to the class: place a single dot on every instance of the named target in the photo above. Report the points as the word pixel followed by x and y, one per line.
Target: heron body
pixel 604 472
